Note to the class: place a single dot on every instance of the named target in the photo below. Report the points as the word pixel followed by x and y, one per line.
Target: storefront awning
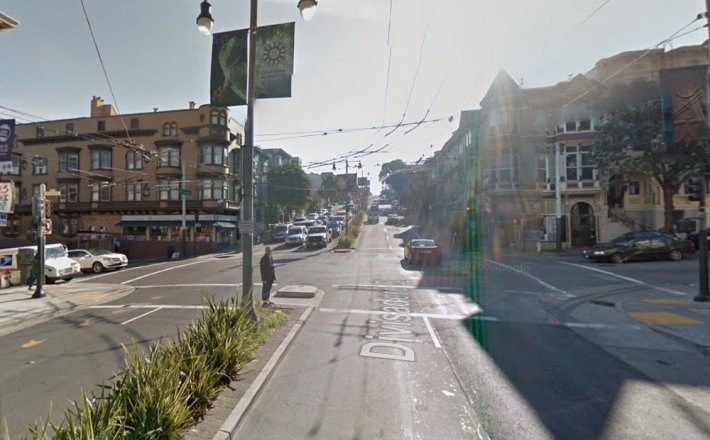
pixel 167 224
pixel 225 225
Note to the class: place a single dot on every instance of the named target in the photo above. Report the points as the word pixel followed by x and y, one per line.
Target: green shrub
pixel 161 393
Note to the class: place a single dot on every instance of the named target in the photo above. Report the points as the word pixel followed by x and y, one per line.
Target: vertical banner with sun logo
pixel 274 64
pixel 274 60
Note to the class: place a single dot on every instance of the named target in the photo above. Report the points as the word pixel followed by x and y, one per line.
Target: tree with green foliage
pixel 391 167
pixel 289 187
pixel 630 143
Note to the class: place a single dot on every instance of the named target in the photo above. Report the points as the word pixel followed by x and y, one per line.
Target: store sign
pixel 7 190
pixel 7 140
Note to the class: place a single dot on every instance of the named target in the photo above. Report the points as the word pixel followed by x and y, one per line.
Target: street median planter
pixel 162 393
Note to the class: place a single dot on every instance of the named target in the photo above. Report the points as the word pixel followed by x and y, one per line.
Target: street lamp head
pixel 204 20
pixel 359 165
pixel 333 166
pixel 307 8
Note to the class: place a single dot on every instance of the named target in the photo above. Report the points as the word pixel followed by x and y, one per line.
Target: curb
pixel 702 349
pixel 229 428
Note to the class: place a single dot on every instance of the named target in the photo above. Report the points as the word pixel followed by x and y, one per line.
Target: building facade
pixel 122 179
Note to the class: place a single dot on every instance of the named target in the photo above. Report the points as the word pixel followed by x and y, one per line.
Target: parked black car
pixel 644 245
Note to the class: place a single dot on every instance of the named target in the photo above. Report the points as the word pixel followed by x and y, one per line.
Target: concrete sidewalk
pixel 19 310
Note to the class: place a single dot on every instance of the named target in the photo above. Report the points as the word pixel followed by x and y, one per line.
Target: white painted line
pixel 526 292
pixel 431 332
pixel 148 306
pixel 188 285
pixel 601 326
pixel 128 269
pixel 228 428
pixel 631 280
pixel 532 277
pixel 372 286
pixel 380 312
pixel 164 270
pixel 140 316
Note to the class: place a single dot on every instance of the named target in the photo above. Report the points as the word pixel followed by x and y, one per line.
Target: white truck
pixel 57 265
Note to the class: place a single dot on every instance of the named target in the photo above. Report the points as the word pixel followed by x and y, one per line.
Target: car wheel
pixel 676 255
pixel 66 280
pixel 617 258
pixel 97 267
pixel 48 280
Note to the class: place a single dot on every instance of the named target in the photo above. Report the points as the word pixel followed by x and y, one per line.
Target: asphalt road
pixel 518 351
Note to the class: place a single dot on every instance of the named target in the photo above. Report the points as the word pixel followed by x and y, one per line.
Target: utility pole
pixel 347 201
pixel 40 201
pixel 246 221
pixel 558 199
pixel 183 251
pixel 704 294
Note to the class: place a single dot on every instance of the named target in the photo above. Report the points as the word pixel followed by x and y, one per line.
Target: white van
pixel 57 265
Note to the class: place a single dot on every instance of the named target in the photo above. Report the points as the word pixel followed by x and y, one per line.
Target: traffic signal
pixel 47 208
pixel 696 188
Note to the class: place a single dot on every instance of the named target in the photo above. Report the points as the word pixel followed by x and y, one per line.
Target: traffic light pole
pixel 697 190
pixel 39 280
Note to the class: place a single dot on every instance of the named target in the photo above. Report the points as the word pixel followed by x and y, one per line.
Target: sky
pixel 358 63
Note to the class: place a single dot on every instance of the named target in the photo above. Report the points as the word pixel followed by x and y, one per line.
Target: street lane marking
pixel 188 285
pixel 534 278
pixel 631 280
pixel 381 312
pixel 140 316
pixel 164 270
pixel 93 277
pixel 149 306
pixel 86 322
pixel 670 301
pixel 431 332
pixel 662 318
pixel 373 287
pixel 33 343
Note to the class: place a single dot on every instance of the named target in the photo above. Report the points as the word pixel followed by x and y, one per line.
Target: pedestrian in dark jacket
pixel 268 276
pixel 32 279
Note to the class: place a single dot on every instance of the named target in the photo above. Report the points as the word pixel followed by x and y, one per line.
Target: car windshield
pixel 295 231
pixel 55 252
pixel 317 230
pixel 423 243
pixel 281 229
pixel 99 252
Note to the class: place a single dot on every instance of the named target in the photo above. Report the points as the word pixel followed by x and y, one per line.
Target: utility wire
pixel 103 67
pixel 599 8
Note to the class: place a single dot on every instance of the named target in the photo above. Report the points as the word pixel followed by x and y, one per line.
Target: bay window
pixel 169 189
pixel 213 155
pixel 213 189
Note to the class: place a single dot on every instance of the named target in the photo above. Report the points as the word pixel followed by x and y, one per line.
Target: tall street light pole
pixel 246 221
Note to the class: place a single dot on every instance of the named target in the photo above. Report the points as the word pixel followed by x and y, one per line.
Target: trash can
pixel 5 279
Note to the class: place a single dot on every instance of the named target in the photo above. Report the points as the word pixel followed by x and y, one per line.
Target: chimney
pixel 96 104
pixel 192 105
pixel 155 109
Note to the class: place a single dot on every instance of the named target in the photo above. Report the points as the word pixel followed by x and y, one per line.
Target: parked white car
pixel 98 260
pixel 296 236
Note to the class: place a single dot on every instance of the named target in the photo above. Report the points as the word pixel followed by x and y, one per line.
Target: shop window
pixel 69 226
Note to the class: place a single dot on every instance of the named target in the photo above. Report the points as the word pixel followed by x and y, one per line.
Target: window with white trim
pixel 134 160
pixel 69 192
pixel 213 189
pixel 169 189
pixel 101 159
pixel 169 156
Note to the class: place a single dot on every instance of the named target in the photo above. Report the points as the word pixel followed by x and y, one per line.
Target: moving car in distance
pixel 422 251
pixel 392 219
pixel 335 229
pixel 646 245
pixel 98 260
pixel 372 217
pixel 281 232
pixel 296 236
pixel 318 236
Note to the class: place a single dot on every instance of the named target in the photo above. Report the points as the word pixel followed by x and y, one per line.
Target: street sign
pixel 47 227
pixel 52 193
pixel 185 192
pixel 3 220
pixel 246 227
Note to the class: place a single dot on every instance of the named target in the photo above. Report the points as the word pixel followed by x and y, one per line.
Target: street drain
pixel 600 302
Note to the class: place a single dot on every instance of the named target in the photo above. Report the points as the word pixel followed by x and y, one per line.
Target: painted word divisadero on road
pixel 395 328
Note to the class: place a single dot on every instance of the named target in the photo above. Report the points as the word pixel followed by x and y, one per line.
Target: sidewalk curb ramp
pixel 297 291
pixel 228 429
